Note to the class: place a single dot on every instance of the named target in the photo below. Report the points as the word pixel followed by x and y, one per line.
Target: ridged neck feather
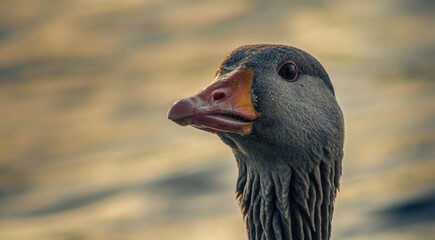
pixel 286 202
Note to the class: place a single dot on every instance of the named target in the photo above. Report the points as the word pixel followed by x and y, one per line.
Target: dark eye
pixel 288 71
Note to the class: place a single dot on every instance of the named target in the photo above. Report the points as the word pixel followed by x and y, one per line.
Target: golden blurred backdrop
pixel 86 151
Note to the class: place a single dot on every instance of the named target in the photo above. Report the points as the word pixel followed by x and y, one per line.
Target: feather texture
pixel 289 205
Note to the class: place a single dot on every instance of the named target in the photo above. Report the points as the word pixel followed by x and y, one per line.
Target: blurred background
pixel 86 151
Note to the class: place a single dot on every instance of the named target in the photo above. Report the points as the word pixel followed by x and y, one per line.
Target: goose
pixel 275 107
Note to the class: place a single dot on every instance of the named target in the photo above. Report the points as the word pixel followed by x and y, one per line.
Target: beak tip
pixel 179 111
pixel 170 114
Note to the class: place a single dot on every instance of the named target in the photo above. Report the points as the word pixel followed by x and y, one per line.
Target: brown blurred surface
pixel 86 151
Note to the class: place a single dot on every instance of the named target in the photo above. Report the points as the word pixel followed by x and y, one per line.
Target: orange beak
pixel 225 105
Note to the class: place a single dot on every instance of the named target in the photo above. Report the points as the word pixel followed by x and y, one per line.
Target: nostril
pixel 218 96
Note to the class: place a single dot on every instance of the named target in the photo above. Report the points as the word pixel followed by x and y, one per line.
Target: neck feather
pixel 286 202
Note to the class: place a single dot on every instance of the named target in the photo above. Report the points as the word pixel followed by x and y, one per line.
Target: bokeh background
pixel 86 151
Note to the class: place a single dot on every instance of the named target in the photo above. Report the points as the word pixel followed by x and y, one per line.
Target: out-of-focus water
pixel 86 151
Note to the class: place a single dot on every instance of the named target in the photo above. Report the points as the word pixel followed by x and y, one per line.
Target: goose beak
pixel 225 105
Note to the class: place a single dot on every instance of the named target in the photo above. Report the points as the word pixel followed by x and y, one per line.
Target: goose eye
pixel 288 71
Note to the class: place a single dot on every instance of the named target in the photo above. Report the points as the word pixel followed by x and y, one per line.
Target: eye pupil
pixel 288 71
